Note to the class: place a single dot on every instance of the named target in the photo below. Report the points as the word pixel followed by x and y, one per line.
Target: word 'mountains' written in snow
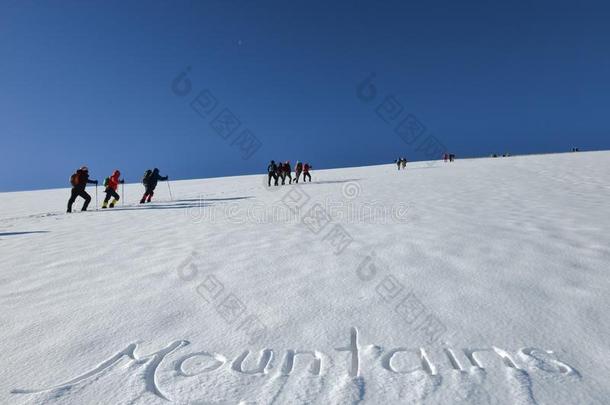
pixel 196 364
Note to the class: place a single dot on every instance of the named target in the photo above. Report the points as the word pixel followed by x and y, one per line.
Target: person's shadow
pixel 213 199
pixel 329 181
pixel 20 233
pixel 177 204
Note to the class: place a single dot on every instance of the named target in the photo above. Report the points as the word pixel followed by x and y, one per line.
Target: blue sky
pixel 91 83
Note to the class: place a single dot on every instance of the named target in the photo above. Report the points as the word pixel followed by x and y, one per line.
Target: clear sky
pixel 92 83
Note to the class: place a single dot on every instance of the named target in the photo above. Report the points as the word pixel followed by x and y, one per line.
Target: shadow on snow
pixel 21 233
pixel 213 199
pixel 319 182
pixel 177 204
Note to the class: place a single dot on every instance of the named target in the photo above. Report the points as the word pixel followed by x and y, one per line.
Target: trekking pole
pixel 96 197
pixel 123 193
pixel 170 191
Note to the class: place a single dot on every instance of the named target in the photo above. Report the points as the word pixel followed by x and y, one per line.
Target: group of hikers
pixel 401 163
pixel 80 179
pixel 283 171
pixel 450 157
pixel 276 172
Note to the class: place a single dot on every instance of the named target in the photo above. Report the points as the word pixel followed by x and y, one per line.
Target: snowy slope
pixel 452 284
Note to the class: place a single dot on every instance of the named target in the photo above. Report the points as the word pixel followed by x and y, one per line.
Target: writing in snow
pixel 412 360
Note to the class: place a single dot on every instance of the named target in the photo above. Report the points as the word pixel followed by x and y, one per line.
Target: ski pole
pixel 96 197
pixel 123 193
pixel 170 191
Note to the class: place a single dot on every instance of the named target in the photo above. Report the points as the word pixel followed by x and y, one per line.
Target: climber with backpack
pixel 272 173
pixel 149 181
pixel 298 169
pixel 112 183
pixel 306 168
pixel 279 172
pixel 79 181
pixel 286 172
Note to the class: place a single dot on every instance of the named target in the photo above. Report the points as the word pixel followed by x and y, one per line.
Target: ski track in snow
pixel 510 254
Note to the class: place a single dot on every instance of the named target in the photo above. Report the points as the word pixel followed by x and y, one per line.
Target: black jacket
pixel 154 178
pixel 83 179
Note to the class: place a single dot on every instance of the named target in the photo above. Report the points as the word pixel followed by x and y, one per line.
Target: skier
pixel 298 169
pixel 150 183
pixel 272 172
pixel 112 183
pixel 398 162
pixel 306 174
pixel 79 181
pixel 404 163
pixel 286 172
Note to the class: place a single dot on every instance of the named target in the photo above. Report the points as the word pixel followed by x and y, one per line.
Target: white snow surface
pixel 483 281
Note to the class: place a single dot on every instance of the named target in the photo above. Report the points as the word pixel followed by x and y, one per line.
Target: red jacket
pixel 306 168
pixel 113 181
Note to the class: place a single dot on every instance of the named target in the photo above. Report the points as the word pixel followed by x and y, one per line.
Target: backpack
pixel 106 181
pixel 147 175
pixel 74 179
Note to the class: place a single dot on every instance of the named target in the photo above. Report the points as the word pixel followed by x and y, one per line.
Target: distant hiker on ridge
pixel 150 183
pixel 272 173
pixel 112 183
pixel 286 172
pixel 404 163
pixel 279 172
pixel 306 168
pixel 79 181
pixel 298 169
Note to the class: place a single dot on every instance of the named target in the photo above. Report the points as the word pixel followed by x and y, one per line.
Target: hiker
pixel 404 163
pixel 150 183
pixel 451 157
pixel 112 183
pixel 280 172
pixel 445 157
pixel 298 169
pixel 306 174
pixel 398 162
pixel 286 172
pixel 79 181
pixel 272 172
